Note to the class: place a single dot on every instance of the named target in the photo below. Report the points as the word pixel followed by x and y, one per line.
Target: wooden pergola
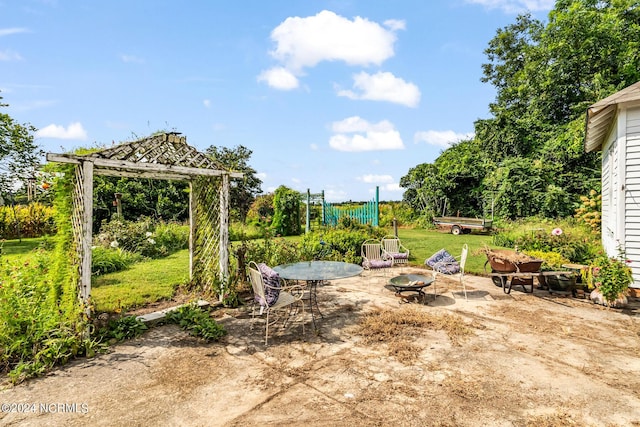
pixel 160 156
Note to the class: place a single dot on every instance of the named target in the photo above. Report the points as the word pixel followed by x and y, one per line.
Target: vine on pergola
pixel 159 156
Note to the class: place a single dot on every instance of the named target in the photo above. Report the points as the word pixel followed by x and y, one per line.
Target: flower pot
pixel 619 302
pixel 561 283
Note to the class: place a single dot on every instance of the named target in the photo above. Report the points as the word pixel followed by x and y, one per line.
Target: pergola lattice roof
pixel 160 156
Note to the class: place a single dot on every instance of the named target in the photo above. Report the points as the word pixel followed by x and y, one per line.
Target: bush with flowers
pixel 566 238
pixel 611 276
pixel 146 237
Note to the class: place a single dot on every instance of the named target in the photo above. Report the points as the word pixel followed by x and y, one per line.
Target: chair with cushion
pixel 373 257
pixel 392 246
pixel 445 263
pixel 272 297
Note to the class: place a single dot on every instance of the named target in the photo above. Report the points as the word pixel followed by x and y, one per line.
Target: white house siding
pixel 609 211
pixel 632 192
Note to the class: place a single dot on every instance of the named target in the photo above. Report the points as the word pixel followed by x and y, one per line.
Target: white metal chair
pixel 450 265
pixel 271 297
pixel 392 246
pixel 373 257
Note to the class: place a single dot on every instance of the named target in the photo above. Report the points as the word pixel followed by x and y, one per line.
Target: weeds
pixel 197 322
pixel 399 328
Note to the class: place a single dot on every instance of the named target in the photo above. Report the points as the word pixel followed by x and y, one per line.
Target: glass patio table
pixel 314 273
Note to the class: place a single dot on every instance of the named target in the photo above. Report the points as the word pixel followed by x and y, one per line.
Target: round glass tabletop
pixel 317 270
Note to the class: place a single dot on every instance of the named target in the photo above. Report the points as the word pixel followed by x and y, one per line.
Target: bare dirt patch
pixel 376 360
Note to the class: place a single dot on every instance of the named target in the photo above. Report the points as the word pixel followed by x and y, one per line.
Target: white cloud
pixel 296 180
pixel 393 187
pixel 262 176
pixel 395 24
pixel 366 136
pixel 131 59
pixel 279 78
pixel 304 42
pixel 314 147
pixel 333 195
pixel 444 138
pixel 207 103
pixel 358 124
pixel 9 55
pixel 10 31
pixel 376 179
pixel 73 131
pixel 516 6
pixel 383 86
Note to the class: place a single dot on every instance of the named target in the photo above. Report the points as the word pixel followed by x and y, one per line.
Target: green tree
pixel 286 217
pixel 18 153
pixel 141 197
pixel 453 183
pixel 243 191
pixel 546 76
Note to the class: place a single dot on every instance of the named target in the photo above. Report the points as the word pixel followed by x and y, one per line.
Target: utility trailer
pixel 458 225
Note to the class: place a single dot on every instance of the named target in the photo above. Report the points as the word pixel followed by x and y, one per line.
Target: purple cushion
pixel 443 262
pixel 400 255
pixel 272 282
pixel 378 263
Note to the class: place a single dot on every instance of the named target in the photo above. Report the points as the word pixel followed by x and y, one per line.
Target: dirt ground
pixel 510 360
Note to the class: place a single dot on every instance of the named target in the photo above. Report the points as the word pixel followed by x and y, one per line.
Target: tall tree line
pixel 528 157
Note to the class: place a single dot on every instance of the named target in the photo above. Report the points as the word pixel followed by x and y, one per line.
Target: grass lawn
pixel 156 280
pixel 143 283
pixel 13 250
pixel 424 243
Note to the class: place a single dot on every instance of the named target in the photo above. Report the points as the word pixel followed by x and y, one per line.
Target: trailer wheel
pixel 455 230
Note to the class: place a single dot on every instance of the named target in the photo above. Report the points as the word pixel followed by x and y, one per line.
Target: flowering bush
pixel 144 237
pixel 589 211
pixel 610 275
pixel 572 246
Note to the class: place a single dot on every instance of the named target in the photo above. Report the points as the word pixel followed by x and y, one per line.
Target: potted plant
pixel 611 277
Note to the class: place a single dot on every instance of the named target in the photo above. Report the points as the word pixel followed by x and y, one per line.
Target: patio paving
pixel 530 359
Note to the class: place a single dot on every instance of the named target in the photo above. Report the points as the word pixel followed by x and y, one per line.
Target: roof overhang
pixel 600 116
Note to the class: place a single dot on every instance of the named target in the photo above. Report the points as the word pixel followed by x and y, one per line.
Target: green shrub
pixel 574 242
pixel 108 260
pixel 197 322
pixel 145 237
pixel 403 213
pixel 589 211
pixel 552 260
pixel 239 231
pixel 35 333
pixel 610 275
pixel 122 328
pixel 33 220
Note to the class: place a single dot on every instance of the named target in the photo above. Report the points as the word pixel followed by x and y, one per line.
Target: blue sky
pixel 332 95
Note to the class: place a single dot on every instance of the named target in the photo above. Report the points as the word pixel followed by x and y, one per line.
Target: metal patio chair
pixel 444 263
pixel 392 247
pixel 271 297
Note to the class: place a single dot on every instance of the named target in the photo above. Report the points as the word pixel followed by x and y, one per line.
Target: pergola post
pixel 192 229
pixel 87 233
pixel 224 233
